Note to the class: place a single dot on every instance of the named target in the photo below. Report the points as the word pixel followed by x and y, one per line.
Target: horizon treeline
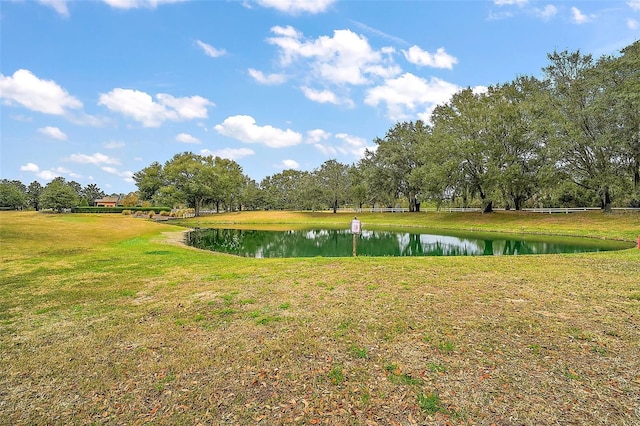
pixel 568 139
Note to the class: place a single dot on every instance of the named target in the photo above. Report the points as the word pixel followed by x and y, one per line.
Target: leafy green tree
pixel 620 100
pixel 589 153
pixel 33 195
pixel 333 179
pixel 76 187
pixel 11 195
pixel 17 184
pixel 460 128
pixel 251 195
pixel 149 181
pixel 396 158
pixel 58 195
pixel 227 183
pixel 193 177
pixel 516 134
pixel 358 192
pixel 438 175
pixel 91 193
pixel 284 190
pixel 131 200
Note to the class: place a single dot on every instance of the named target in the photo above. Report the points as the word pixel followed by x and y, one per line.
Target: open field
pixel 105 319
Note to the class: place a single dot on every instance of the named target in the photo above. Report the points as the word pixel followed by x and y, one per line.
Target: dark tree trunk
pixel 517 203
pixel 414 206
pixel 606 200
pixel 487 205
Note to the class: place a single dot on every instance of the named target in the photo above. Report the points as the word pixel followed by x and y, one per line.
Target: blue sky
pixel 94 91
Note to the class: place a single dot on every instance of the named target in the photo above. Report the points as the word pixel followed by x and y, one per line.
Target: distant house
pixel 107 202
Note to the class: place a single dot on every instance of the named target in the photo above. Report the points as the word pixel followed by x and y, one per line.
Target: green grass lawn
pixel 108 319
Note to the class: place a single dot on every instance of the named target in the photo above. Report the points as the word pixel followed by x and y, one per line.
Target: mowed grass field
pixel 109 320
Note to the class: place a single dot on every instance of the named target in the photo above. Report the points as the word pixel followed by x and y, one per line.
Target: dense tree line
pixel 570 138
pixel 58 195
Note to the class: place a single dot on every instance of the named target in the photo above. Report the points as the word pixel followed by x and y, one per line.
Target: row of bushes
pixel 90 209
pixel 176 213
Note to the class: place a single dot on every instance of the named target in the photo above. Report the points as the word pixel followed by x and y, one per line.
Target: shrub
pixel 119 209
pixel 126 212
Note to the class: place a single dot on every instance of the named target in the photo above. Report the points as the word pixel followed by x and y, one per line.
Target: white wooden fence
pixel 548 210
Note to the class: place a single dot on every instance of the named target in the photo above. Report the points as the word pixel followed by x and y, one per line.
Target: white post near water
pixel 355 230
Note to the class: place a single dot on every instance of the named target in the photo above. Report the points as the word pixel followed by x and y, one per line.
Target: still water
pixel 339 243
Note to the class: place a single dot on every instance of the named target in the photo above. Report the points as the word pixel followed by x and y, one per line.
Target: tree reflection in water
pixel 338 243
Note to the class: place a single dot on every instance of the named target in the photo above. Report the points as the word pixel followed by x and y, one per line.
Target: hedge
pixel 91 209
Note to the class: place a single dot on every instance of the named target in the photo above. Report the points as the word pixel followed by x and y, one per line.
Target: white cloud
pixel 187 108
pixel 65 171
pixel 97 159
pixel 294 7
pixel 244 128
pixel 210 50
pixel 578 17
pixel 349 145
pixel 42 174
pixel 344 58
pixel 270 79
pixel 317 135
pixel 134 4
pixel 352 145
pixel 229 153
pixel 634 4
pixel 127 175
pixel 187 138
pixel 405 94
pixel 59 6
pixel 114 145
pixel 289 164
pixel 47 174
pixel 30 167
pixel 440 59
pixel 632 24
pixel 493 16
pixel 21 117
pixel 83 119
pixel 510 2
pixel 287 31
pixel 45 96
pixel 548 12
pixel 141 107
pixel 480 90
pixel 53 132
pixel 327 150
pixel 320 96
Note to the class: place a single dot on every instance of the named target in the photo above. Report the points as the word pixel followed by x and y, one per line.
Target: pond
pixel 339 243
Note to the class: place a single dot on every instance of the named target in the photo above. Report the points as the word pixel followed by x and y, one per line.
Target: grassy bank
pixel 106 320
